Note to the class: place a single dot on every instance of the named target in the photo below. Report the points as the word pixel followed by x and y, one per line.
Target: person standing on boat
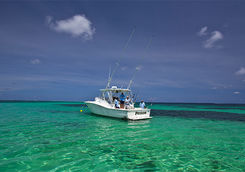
pixel 127 103
pixel 122 100
pixel 116 103
pixel 142 104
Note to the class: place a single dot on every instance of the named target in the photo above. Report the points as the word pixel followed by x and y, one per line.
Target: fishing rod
pixel 134 97
pixel 131 81
pixel 117 63
pixel 138 67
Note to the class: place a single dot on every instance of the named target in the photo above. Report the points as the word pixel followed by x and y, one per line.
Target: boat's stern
pixel 138 114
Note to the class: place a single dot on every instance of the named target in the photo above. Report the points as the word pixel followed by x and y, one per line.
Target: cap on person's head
pixel 142 101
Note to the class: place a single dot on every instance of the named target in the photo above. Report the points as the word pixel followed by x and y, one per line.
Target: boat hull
pixel 130 114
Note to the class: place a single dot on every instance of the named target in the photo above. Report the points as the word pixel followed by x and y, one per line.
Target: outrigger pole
pixel 131 81
pixel 138 68
pixel 117 63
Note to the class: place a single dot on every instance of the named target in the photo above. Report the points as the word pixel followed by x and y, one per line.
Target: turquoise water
pixel 55 136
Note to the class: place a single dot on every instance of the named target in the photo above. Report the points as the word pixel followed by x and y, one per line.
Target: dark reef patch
pixel 200 114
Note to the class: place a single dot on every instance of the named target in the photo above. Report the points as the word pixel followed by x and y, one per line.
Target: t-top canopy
pixel 114 89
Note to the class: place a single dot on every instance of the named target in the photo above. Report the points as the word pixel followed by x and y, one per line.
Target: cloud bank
pixel 77 26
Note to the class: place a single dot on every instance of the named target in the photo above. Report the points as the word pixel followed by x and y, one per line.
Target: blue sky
pixel 63 50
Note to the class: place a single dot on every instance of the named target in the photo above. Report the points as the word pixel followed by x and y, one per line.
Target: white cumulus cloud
pixel 236 92
pixel 203 31
pixel 241 71
pixel 215 36
pixel 77 26
pixel 35 61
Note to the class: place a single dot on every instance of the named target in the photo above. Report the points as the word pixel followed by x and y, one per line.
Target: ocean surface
pixel 56 136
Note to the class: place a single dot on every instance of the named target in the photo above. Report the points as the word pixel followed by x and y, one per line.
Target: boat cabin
pixel 109 94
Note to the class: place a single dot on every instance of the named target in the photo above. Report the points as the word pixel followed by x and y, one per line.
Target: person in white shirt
pixel 127 103
pixel 116 102
pixel 142 104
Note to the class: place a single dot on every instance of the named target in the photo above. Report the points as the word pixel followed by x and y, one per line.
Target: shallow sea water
pixel 56 136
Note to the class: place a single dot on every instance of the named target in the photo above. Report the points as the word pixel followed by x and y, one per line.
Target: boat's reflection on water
pixel 108 122
pixel 138 122
pixel 114 131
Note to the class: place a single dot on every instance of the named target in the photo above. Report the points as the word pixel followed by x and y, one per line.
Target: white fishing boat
pixel 105 106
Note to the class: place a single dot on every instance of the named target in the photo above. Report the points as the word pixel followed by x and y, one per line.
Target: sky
pixel 186 51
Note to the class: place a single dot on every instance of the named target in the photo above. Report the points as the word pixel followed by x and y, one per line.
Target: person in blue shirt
pixel 122 100
pixel 142 104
